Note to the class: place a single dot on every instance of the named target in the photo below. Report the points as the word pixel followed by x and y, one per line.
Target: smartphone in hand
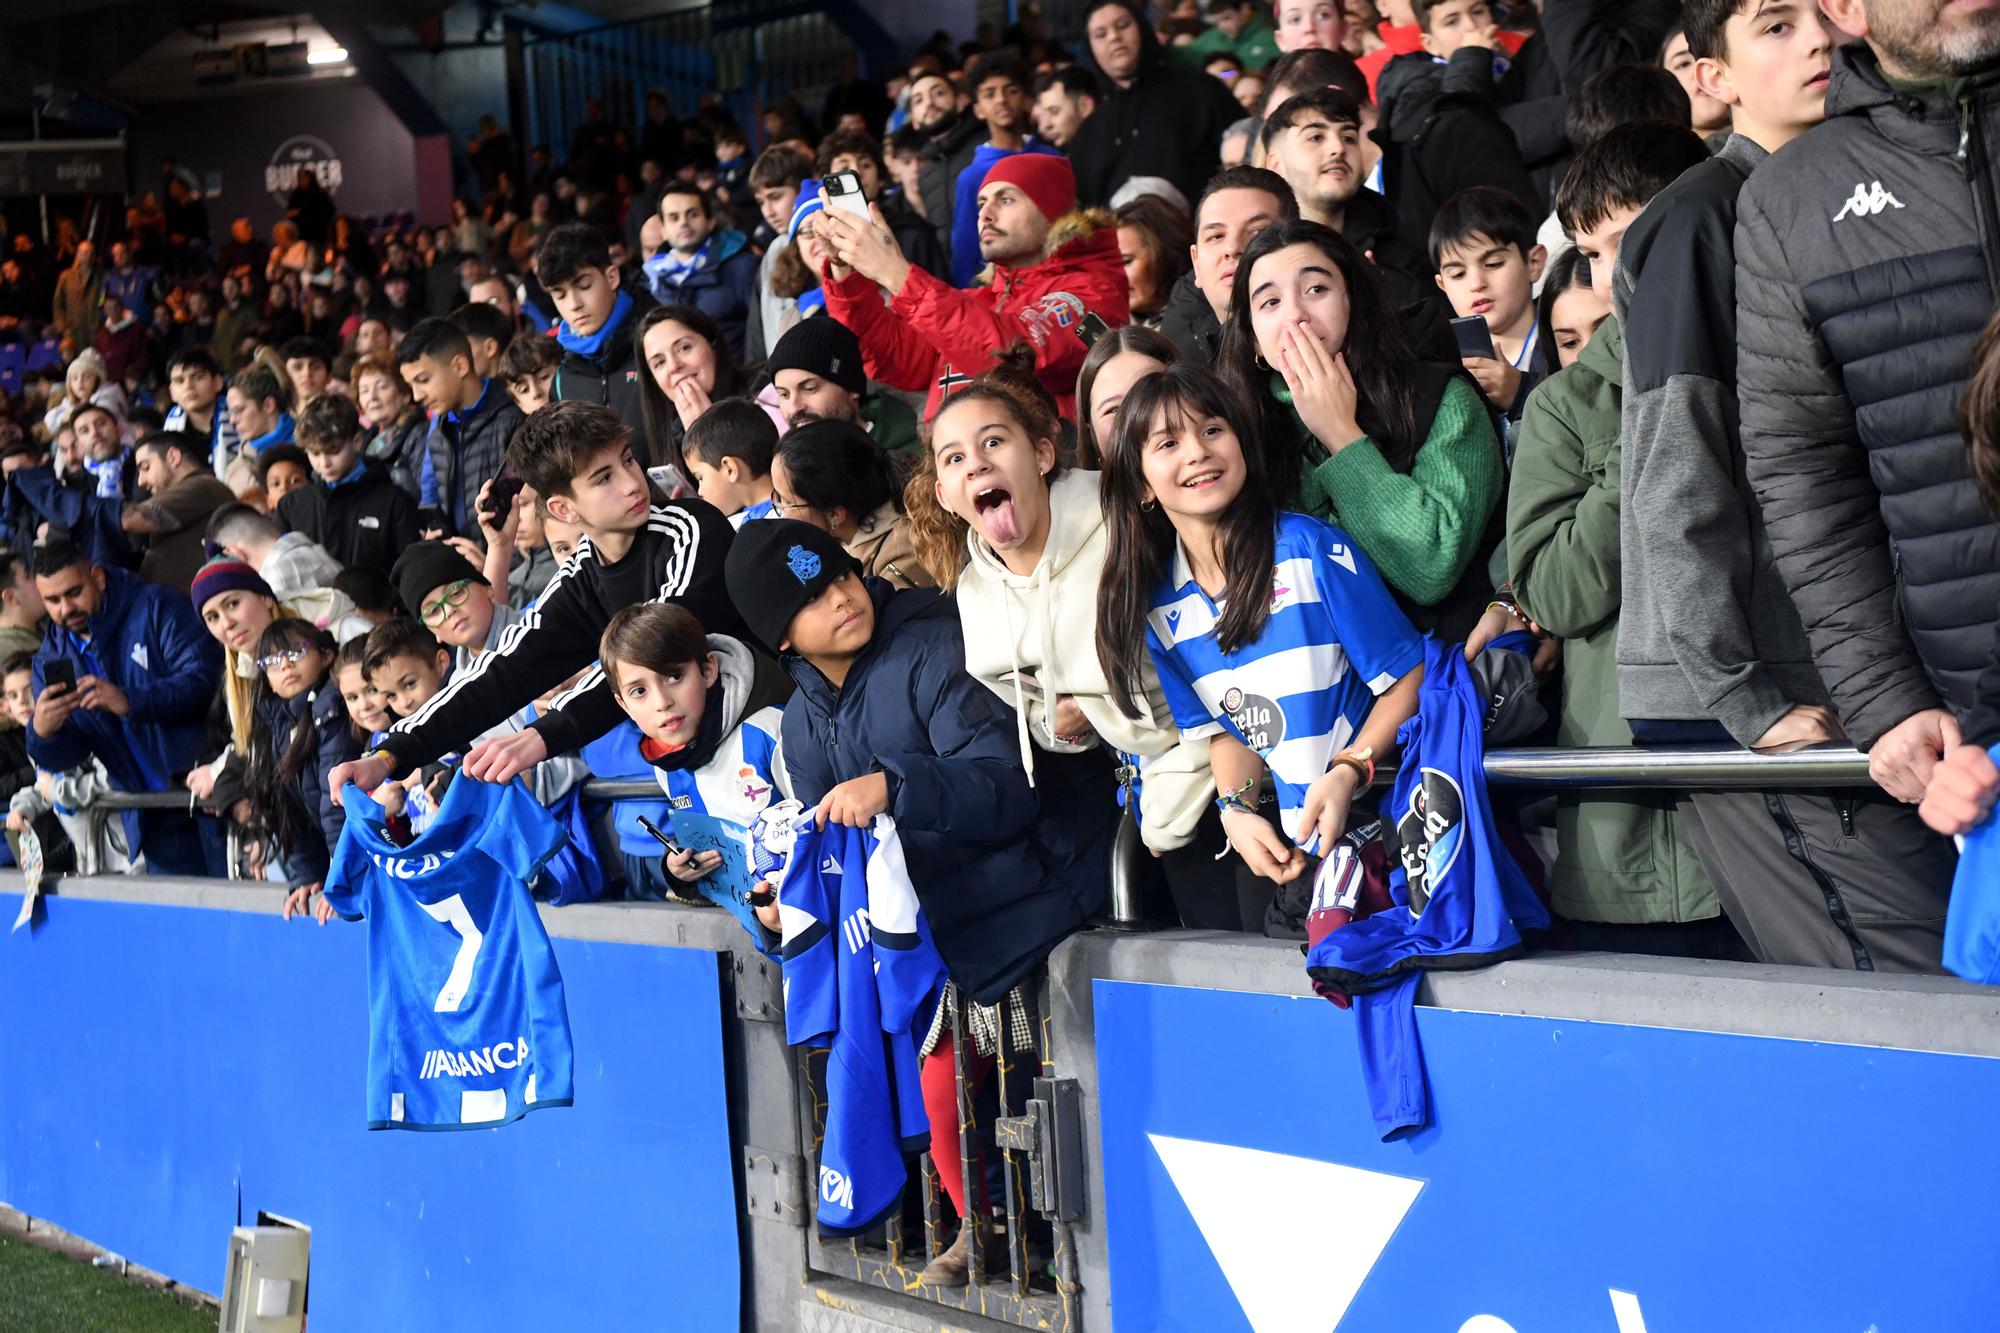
pixel 1475 338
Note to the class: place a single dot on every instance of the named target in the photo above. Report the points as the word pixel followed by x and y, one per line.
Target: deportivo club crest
pixel 804 564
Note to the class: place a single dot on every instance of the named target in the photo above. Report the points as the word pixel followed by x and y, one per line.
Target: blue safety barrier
pixel 167 1072
pixel 1578 1176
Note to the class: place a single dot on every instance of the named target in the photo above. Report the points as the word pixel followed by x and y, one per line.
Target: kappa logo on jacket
pixel 1868 200
pixel 141 658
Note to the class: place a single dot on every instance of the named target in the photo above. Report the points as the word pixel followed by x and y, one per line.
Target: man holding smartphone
pixel 124 677
pixel 1048 277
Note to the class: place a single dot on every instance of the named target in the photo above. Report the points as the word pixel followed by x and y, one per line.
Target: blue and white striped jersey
pixel 1334 640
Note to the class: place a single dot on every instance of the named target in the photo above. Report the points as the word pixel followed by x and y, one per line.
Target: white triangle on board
pixel 1295 1236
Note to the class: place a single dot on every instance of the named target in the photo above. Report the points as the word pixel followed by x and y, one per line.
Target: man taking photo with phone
pixel 1052 266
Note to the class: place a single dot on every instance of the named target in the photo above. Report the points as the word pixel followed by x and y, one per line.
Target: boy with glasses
pixel 453 601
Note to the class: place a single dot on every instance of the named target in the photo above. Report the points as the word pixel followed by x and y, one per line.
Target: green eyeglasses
pixel 454 596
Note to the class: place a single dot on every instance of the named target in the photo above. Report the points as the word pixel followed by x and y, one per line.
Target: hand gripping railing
pixel 1626 768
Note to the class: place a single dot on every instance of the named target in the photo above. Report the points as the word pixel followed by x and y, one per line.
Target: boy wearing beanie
pixel 1051 269
pixel 452 600
pixel 817 372
pixel 886 721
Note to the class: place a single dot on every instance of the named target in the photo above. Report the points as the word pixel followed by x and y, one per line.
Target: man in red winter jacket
pixel 1051 268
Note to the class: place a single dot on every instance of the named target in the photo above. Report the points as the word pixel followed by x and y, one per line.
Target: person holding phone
pixel 125 677
pixel 1483 248
pixel 1053 267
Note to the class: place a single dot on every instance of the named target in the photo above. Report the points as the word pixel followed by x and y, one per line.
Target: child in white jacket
pixel 996 515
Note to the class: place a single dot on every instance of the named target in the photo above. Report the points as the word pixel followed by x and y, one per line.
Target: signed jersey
pixel 467 1024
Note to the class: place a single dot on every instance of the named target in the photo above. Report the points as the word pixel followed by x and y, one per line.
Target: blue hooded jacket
pixel 1004 871
pixel 146 640
pixel 722 290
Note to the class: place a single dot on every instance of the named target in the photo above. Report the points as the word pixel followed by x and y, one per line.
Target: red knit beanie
pixel 1045 178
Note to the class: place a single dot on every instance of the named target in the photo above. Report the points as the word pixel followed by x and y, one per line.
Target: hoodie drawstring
pixel 1020 700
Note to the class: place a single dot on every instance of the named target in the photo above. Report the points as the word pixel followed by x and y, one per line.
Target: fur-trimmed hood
pixel 1076 232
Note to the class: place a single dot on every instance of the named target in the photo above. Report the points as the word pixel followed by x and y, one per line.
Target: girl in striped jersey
pixel 709 710
pixel 1273 636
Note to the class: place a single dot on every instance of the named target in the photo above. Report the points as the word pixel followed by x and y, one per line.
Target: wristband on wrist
pixel 1362 761
pixel 1233 799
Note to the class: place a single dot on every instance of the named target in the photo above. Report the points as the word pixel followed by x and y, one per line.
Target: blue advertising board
pixel 167 1072
pixel 1576 1177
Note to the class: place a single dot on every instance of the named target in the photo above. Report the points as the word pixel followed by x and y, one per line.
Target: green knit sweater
pixel 1420 528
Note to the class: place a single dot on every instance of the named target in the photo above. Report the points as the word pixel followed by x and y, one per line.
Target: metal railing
pixel 1832 765
pixel 93 854
pixel 1609 769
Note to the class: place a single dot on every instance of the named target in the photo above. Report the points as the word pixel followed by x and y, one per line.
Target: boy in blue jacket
pixel 145 671
pixel 887 720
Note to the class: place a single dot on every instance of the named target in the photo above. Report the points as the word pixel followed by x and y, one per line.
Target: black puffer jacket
pixel 1437 141
pixel 1866 255
pixel 945 156
pixel 1189 322
pixel 1005 871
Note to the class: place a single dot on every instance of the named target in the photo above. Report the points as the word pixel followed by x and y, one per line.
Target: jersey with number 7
pixel 467 1024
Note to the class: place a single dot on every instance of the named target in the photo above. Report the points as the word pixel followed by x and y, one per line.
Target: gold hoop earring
pixel 1146 506
pixel 1262 364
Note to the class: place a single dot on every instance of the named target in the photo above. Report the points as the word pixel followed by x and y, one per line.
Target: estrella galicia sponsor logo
pixel 501 1055
pixel 1430 833
pixel 1258 720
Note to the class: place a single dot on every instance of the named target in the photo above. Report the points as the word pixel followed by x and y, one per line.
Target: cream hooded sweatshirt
pixel 1032 638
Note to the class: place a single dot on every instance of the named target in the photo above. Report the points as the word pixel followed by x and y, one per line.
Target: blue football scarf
pixel 467 1023
pixel 1972 922
pixel 1461 900
pixel 862 978
pixel 592 344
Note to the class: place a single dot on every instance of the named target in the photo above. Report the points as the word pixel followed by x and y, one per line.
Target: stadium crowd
pixel 1047 438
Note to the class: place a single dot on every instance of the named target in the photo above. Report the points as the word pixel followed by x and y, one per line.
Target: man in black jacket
pixel 599 323
pixel 1866 254
pixel 1313 140
pixel 1238 203
pixel 1153 119
pixel 352 508
pixel 954 138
